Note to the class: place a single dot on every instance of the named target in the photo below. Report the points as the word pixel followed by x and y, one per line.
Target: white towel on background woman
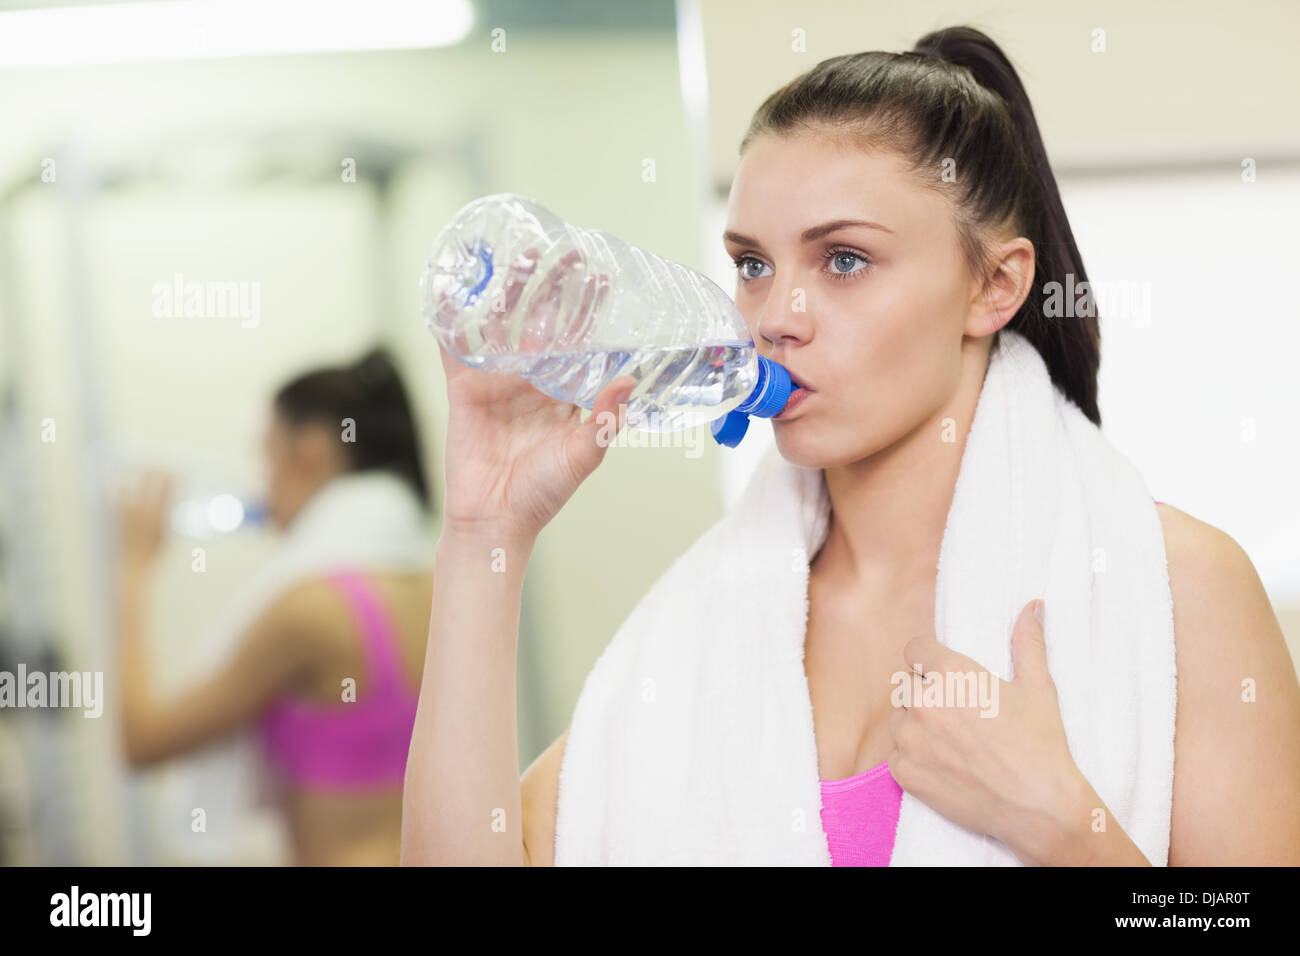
pixel 693 743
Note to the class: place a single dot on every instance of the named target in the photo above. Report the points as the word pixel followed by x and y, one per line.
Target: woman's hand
pixel 514 456
pixel 142 507
pixel 1009 774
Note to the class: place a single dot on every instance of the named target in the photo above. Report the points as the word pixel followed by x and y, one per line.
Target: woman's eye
pixel 744 263
pixel 845 263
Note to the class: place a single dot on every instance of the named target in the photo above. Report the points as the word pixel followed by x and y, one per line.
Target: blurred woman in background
pixel 327 665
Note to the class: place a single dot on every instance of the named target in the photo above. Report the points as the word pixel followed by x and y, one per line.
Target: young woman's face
pixel 870 318
pixel 298 461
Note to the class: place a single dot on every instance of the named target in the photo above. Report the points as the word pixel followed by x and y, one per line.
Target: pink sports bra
pixel 860 815
pixel 350 745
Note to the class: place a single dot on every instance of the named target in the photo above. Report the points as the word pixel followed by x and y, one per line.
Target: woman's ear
pixel 1005 290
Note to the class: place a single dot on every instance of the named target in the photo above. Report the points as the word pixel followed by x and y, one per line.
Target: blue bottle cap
pixel 770 395
pixel 730 428
pixel 772 391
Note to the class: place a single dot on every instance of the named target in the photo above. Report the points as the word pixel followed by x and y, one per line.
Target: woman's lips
pixel 800 382
pixel 796 399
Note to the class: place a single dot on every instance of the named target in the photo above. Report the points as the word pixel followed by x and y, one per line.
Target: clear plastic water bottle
pixel 511 288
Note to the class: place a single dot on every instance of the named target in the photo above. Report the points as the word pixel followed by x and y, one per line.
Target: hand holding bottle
pixel 513 455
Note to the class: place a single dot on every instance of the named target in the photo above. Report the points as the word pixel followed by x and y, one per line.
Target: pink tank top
pixel 860 815
pixel 347 745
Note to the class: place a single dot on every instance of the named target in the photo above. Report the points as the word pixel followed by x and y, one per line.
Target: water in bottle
pixel 511 288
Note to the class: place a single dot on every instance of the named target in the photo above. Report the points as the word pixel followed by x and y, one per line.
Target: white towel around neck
pixel 692 742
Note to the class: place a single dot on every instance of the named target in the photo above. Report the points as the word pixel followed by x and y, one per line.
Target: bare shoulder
pixel 308 623
pixel 540 786
pixel 1224 624
pixel 1219 599
pixel 1193 542
pixel 307 610
pixel 1237 736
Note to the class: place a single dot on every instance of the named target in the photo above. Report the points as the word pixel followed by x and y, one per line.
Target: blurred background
pixel 315 151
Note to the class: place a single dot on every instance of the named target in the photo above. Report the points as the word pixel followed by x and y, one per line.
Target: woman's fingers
pixel 612 403
pixel 153 491
pixel 608 417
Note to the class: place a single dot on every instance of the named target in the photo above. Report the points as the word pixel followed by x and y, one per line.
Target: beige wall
pixel 1175 79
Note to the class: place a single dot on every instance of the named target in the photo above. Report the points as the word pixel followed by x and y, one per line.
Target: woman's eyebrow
pixel 809 235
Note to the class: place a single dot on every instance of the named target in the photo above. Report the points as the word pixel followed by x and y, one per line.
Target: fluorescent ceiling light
pixel 194 29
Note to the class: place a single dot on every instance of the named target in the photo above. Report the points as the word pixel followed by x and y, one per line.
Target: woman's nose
pixel 783 319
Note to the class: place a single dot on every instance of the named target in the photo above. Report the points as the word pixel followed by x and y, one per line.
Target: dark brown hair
pixel 370 392
pixel 956 97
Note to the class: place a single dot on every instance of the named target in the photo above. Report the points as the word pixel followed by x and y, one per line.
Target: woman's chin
pixel 800 445
pixel 798 450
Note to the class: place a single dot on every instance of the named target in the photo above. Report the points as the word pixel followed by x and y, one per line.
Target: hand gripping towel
pixel 692 742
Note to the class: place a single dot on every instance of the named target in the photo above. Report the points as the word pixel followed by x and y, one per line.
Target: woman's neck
pixel 889 511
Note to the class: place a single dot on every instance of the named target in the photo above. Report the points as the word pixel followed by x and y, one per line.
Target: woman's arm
pixel 462 802
pixel 273 655
pixel 1237 743
pixel 275 652
pixel 514 457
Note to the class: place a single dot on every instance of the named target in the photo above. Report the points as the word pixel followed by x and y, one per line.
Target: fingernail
pixel 1038 611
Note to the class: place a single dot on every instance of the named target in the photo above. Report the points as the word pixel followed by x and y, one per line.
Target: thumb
pixel 1029 646
pixel 607 419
